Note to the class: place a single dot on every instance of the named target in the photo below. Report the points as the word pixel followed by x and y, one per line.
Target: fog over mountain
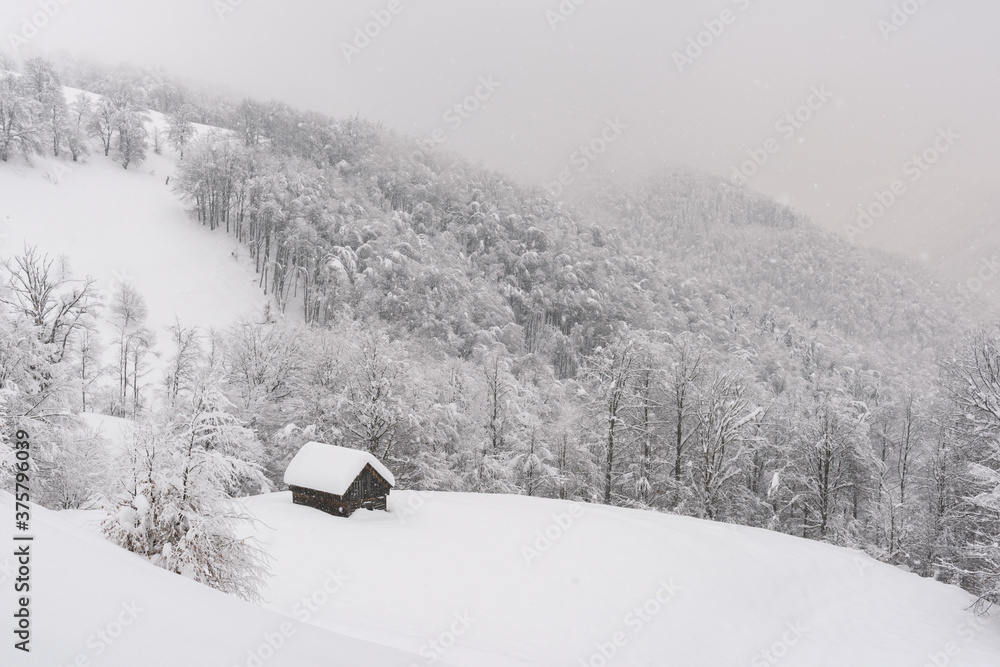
pixel 897 73
pixel 491 334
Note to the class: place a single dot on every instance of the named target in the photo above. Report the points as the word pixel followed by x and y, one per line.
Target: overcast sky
pixel 880 95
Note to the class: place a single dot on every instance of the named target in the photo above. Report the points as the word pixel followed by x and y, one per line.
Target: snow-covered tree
pixel 945 483
pixel 173 499
pixel 36 395
pixel 374 416
pixel 180 129
pixel 87 355
pixel 830 465
pixel 183 366
pixel 611 372
pixel 76 133
pixel 157 139
pixel 131 134
pixel 103 123
pixel 532 458
pixel 42 83
pixel 644 477
pixel 682 384
pixel 207 428
pixel 500 412
pixel 8 432
pixel 724 439
pixel 128 313
pixel 249 119
pixel 975 390
pixel 45 292
pixel 20 133
pixel 262 363
pixel 7 64
pixel 72 469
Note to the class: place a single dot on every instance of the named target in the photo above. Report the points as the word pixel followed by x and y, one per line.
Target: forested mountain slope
pixel 680 345
pixel 778 259
pixel 94 219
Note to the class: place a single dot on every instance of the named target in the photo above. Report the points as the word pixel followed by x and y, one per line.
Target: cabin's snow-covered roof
pixel 330 468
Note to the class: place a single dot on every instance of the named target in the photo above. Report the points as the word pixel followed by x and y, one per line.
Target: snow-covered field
pixel 441 579
pixel 95 604
pixel 120 225
pixel 465 579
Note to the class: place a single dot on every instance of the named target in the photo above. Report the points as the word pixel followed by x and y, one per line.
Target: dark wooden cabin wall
pixel 369 490
pixel 368 485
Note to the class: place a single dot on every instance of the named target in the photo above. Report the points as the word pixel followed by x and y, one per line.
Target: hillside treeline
pixel 679 345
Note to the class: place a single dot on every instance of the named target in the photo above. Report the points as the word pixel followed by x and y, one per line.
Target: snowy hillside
pixel 678 345
pixel 461 579
pixel 96 604
pixel 672 590
pixel 119 226
pixel 465 579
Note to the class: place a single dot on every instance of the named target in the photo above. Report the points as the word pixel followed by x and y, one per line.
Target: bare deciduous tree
pixel 54 302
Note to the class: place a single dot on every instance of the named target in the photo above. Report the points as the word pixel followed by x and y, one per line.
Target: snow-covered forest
pixel 679 345
pixel 672 344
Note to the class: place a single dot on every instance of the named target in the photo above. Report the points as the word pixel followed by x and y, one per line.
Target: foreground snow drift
pixel 95 604
pixel 498 580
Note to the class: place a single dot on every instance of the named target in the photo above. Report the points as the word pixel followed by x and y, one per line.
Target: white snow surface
pixel 83 588
pixel 443 579
pixel 726 593
pixel 502 581
pixel 114 431
pixel 120 226
pixel 331 468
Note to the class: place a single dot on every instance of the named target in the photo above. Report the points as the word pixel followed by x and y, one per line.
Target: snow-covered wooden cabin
pixel 338 480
